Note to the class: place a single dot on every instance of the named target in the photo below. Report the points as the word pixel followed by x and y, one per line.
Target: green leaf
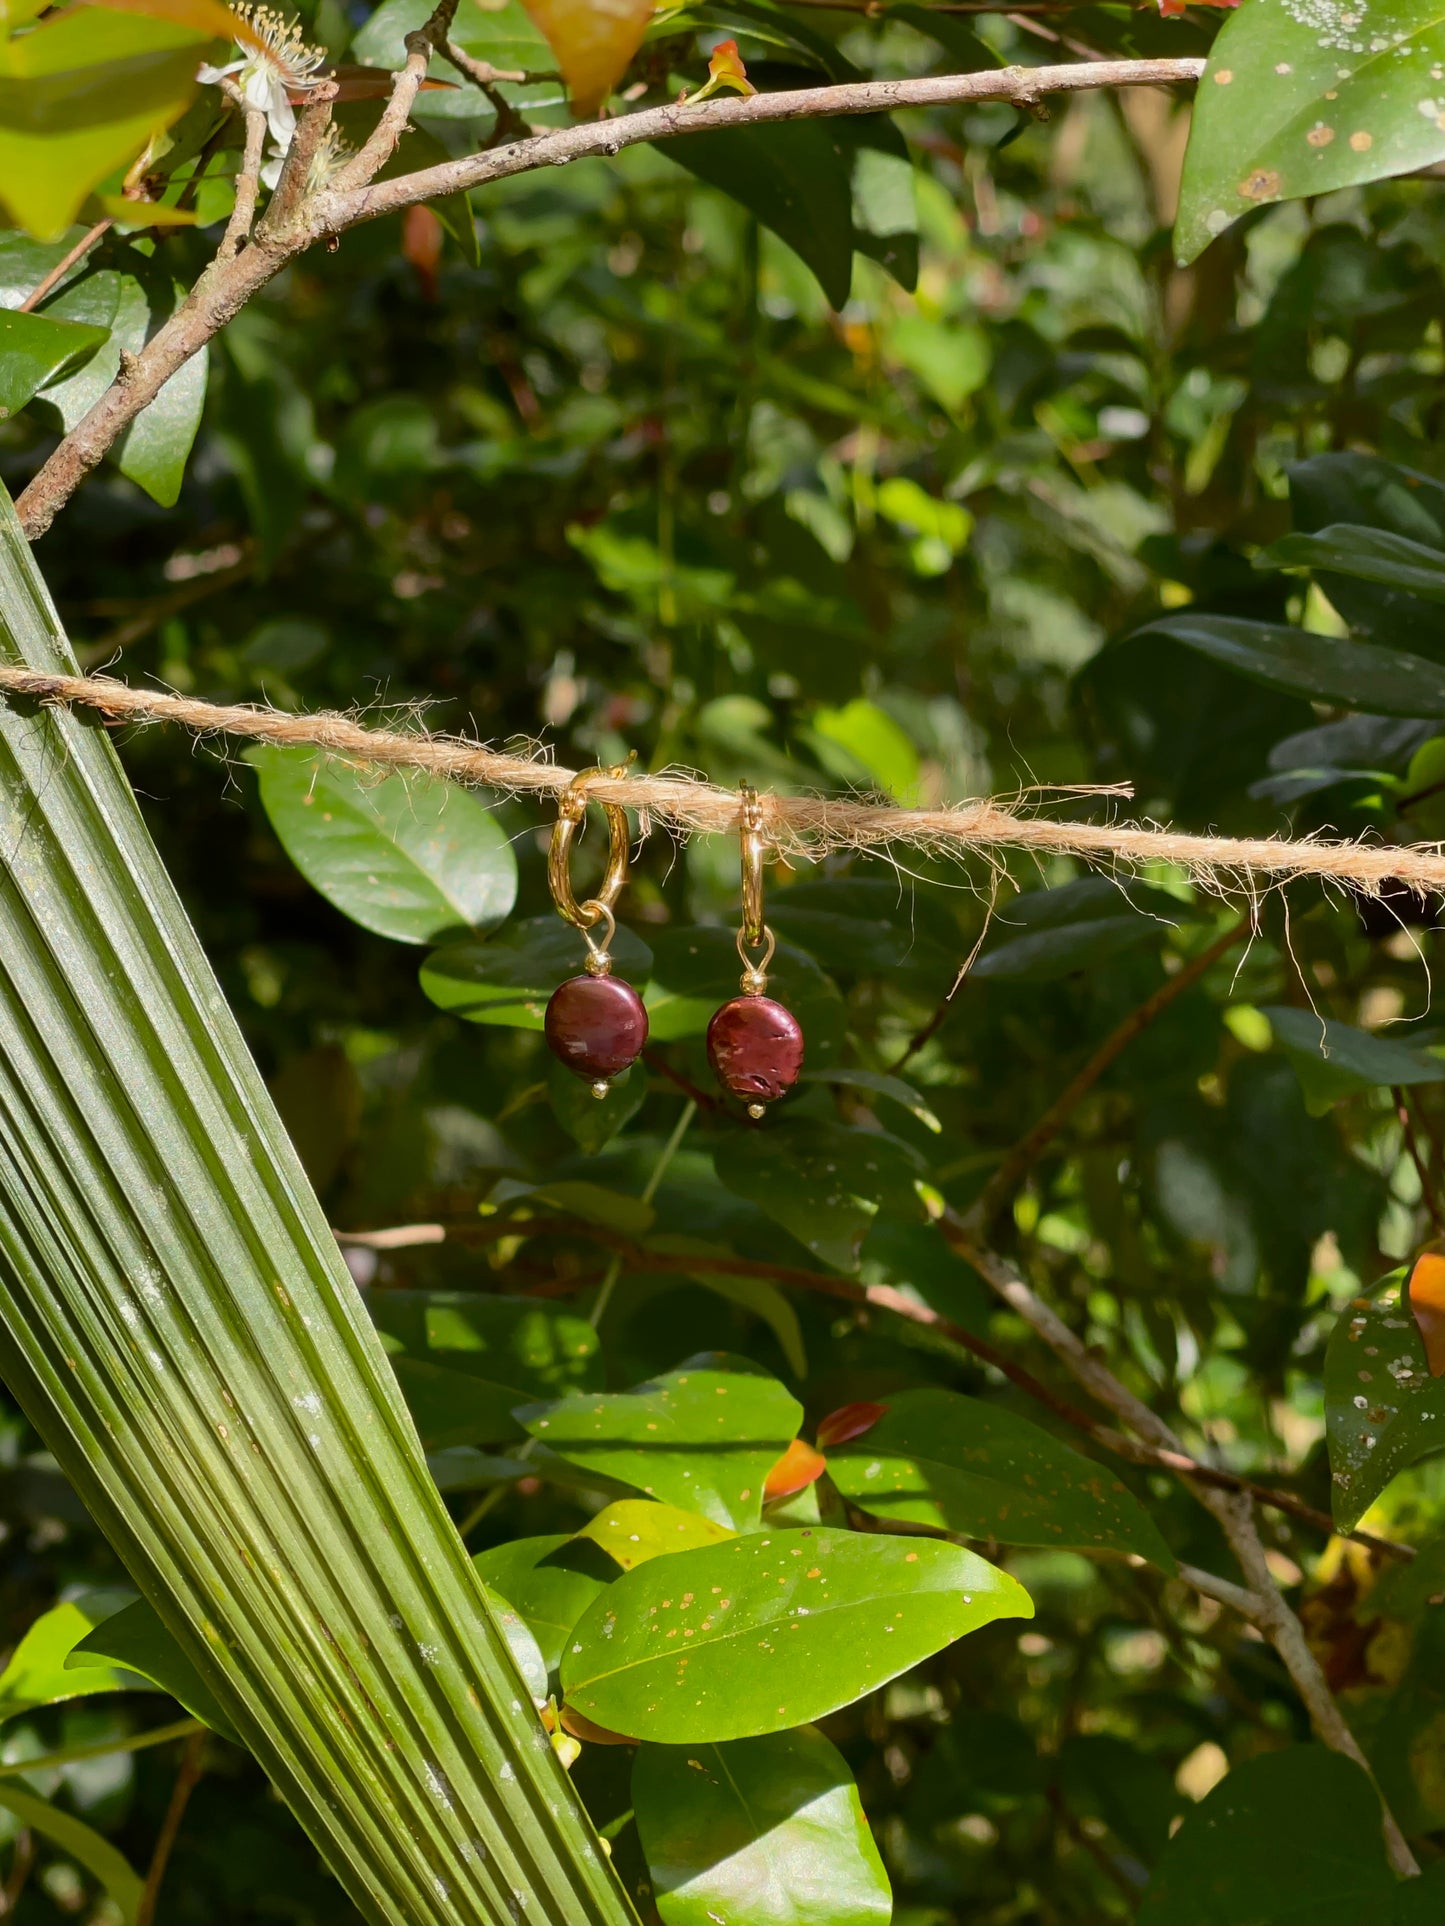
pixel 550 1582
pixel 37 1673
pixel 1291 1835
pixel 955 1463
pixel 755 1294
pixel 632 1530
pixel 1300 100
pixel 1368 554
pixel 451 1408
pixel 526 1652
pixel 135 1638
pixel 35 349
pixel 1334 1060
pixel 134 305
pixel 530 1348
pixel 79 1842
pixel 509 979
pixel 878 1084
pixel 1383 1410
pixel 1076 927
pixel 408 856
pixel 590 1121
pixel 1324 668
pixel 768 1830
pixel 177 1322
pixel 703 1437
pixel 796 177
pixel 1132 1791
pixel 80 95
pixel 820 1181
pixel 772 1630
pixel 695 969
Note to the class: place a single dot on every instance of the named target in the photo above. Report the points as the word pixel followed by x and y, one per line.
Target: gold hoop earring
pixel 595 1024
pixel 754 1043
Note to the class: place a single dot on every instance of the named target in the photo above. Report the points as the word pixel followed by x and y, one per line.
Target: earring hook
pixel 571 814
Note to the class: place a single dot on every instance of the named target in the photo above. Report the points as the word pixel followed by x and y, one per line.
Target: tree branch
pixel 62 267
pixel 226 286
pixel 311 126
pixel 406 85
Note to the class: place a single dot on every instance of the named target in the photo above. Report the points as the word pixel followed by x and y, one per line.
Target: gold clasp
pixel 754 933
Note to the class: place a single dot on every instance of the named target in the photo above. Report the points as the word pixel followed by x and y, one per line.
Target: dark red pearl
pixel 596 1025
pixel 755 1047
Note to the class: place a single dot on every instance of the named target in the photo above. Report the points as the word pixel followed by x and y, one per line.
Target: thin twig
pixel 226 286
pixel 22 1865
pixel 102 1748
pixel 311 127
pixel 380 145
pixel 248 179
pixel 1019 1161
pixel 58 273
pixel 193 1764
pixel 1429 1191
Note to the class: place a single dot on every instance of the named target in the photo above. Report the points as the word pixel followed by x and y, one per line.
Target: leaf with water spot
pixel 1323 668
pixel 955 1463
pixel 822 1182
pixel 1306 96
pixel 703 1437
pixel 1383 1409
pixel 772 1630
pixel 767 1830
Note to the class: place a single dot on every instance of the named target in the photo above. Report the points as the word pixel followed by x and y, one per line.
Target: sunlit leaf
pixel 37 1673
pixel 1383 1408
pixel 768 1830
pixel 550 1581
pixel 35 349
pixel 135 1638
pixel 593 41
pixel 772 1630
pixel 632 1530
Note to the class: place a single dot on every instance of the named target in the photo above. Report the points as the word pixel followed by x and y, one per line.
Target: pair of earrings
pixel 597 1025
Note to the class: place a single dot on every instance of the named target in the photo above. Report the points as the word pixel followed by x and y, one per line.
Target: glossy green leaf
pixel 80 95
pixel 176 1321
pixel 769 1831
pixel 79 1842
pixel 863 926
pixel 877 1083
pixel 1358 675
pixel 133 305
pixel 632 1530
pixel 451 1408
pixel 37 1673
pixel 408 856
pixel 1335 1060
pixel 822 1182
pixel 702 1437
pixel 1365 492
pixel 509 979
pixel 1291 1835
pixel 550 1581
pixel 35 349
pixel 795 177
pixel 1369 554
pixel 1383 1410
pixel 464 1468
pixel 772 1630
pixel 526 1652
pixel 135 1638
pixel 1299 100
pixel 955 1463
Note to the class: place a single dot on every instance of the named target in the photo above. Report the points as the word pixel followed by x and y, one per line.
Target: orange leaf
pixel 364 83
pixel 726 68
pixel 421 243
pixel 206 16
pixel 848 1421
pixel 794 1471
pixel 582 1728
pixel 593 41
pixel 1427 1301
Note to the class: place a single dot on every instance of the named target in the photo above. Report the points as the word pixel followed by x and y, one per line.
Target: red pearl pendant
pixel 596 1026
pixel 755 1047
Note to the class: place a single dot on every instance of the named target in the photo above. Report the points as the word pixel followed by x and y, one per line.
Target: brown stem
pixel 58 273
pixel 193 1764
pixel 311 126
pixel 21 1866
pixel 655 1060
pixel 226 286
pixel 405 86
pixel 1019 1161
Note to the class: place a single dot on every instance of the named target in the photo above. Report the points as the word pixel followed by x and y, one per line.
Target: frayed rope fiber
pixel 808 825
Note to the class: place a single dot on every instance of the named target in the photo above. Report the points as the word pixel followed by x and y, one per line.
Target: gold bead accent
pixel 601 1088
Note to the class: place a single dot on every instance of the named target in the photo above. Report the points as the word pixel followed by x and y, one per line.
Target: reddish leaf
pixel 582 1728
pixel 593 41
pixel 798 1467
pixel 358 83
pixel 1427 1301
pixel 421 243
pixel 848 1421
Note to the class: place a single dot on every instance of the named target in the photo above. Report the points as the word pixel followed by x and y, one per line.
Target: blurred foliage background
pixel 626 481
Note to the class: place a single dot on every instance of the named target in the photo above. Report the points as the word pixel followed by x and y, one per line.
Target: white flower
pixel 269 73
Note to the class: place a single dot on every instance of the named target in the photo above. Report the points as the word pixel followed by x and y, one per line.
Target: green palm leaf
pixel 177 1322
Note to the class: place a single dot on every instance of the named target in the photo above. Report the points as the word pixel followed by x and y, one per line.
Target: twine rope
pixel 810 826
